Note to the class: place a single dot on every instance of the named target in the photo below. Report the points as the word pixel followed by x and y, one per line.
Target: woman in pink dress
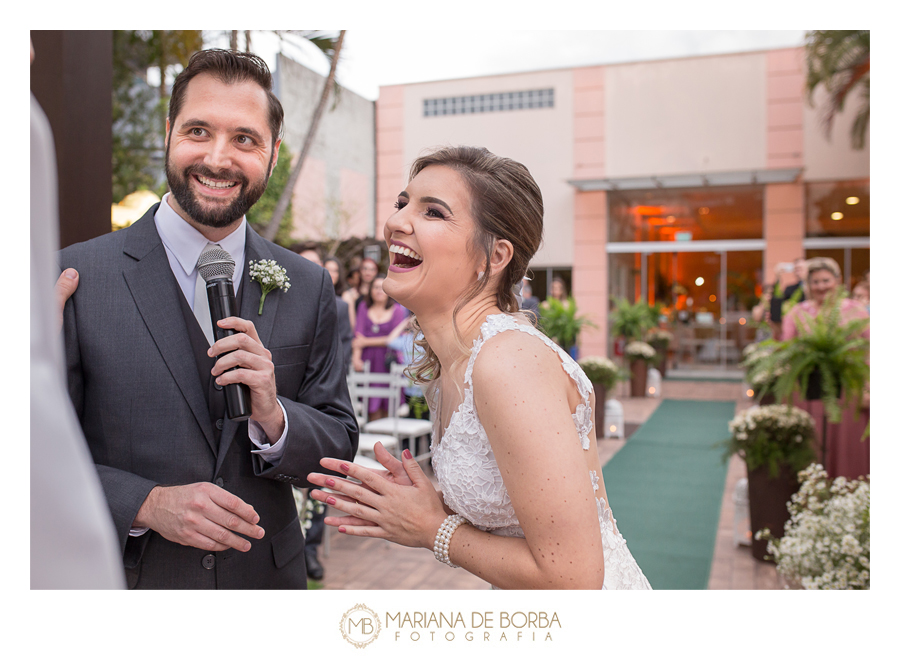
pixel 845 453
pixel 376 321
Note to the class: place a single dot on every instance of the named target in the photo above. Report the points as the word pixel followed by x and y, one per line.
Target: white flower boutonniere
pixel 269 275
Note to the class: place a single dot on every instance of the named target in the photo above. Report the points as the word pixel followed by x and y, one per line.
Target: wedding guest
pixel 377 318
pixel 558 290
pixel 341 288
pixel 761 314
pixel 530 305
pixel 823 281
pixel 368 270
pixel 861 294
pixel 788 291
pixel 846 454
pixel 316 530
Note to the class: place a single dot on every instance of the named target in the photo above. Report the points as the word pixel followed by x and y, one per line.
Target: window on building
pixel 837 209
pixel 709 213
pixel 498 102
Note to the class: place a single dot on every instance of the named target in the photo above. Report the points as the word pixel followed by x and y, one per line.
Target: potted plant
pixel 630 321
pixel 826 539
pixel 659 339
pixel 761 371
pixel 603 374
pixel 639 355
pixel 828 358
pixel 561 323
pixel 776 442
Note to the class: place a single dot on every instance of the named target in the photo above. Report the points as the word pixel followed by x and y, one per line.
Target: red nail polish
pixel 329 482
pixel 407 454
pixel 330 500
pixel 345 468
pixel 342 529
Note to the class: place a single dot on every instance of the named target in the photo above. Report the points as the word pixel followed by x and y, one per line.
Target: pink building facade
pixel 683 181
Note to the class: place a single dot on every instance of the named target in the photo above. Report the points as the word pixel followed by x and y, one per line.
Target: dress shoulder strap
pixel 497 324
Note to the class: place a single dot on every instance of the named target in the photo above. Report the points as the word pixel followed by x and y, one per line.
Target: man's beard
pixel 223 215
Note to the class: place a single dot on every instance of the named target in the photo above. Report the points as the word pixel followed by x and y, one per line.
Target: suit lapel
pixel 155 290
pixel 256 249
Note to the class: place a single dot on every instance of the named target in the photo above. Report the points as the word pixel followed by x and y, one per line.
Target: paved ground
pixel 355 563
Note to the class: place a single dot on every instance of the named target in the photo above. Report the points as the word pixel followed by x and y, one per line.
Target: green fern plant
pixel 561 322
pixel 630 321
pixel 827 344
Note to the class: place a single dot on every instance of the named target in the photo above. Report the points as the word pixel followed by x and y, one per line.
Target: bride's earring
pixel 480 275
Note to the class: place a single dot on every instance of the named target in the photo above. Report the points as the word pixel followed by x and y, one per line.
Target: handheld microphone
pixel 216 266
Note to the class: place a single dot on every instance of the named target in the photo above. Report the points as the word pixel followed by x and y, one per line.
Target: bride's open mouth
pixel 403 258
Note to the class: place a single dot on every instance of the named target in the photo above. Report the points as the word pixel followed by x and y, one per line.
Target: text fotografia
pixel 478 626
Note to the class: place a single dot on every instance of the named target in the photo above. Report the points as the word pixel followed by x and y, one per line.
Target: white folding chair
pixel 361 390
pixel 411 429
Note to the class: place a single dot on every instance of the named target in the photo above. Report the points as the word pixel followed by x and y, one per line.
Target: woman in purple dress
pixel 378 321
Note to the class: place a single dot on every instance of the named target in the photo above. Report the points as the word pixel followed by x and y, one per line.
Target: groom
pixel 199 500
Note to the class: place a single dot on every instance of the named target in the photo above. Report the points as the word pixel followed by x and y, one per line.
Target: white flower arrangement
pixel 637 349
pixel 761 370
pixel 772 436
pixel 778 417
pixel 600 370
pixel 270 276
pixel 660 335
pixel 826 540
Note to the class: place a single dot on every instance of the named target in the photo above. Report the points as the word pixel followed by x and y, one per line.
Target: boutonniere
pixel 269 275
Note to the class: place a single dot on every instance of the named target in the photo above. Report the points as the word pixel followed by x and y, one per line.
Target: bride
pixel 522 501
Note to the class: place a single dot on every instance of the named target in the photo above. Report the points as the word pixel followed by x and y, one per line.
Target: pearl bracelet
pixel 442 539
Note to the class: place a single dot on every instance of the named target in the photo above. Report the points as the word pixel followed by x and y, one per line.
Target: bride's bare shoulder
pixel 515 357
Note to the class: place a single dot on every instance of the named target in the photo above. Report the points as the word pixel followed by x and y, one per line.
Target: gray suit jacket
pixel 134 382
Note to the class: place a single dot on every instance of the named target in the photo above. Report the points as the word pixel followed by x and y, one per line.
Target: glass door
pixel 706 297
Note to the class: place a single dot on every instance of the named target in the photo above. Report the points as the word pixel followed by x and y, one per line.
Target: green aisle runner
pixel 665 488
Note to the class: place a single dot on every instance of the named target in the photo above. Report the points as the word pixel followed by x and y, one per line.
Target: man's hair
pixel 229 67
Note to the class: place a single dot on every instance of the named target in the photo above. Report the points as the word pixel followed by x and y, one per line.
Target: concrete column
pixel 590 279
pixel 389 173
pixel 783 225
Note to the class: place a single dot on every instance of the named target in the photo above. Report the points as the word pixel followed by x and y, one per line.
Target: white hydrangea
pixel 639 350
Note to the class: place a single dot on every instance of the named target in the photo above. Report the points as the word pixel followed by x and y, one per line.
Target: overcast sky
pixel 371 58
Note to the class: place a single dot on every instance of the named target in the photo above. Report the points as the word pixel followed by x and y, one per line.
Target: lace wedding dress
pixel 470 478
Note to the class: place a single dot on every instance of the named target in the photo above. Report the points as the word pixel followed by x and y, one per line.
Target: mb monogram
pixel 360 626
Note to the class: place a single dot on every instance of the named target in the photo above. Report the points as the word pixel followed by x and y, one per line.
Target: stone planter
pixel 639 378
pixel 599 410
pixel 769 498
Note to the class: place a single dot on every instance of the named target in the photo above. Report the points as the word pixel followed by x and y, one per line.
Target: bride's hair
pixel 506 205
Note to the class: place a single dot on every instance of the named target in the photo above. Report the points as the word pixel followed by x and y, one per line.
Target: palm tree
pixel 331 46
pixel 839 59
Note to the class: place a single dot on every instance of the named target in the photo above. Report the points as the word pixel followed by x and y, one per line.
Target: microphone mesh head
pixel 215 263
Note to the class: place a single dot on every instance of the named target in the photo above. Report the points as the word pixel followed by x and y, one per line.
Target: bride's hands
pixel 399 504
